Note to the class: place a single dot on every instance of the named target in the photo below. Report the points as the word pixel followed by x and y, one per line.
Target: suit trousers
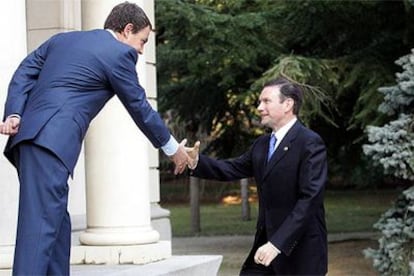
pixel 43 227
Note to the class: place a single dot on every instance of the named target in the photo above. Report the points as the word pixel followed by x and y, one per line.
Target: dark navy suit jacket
pixel 290 188
pixel 61 86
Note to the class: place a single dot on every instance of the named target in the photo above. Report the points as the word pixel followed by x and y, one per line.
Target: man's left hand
pixel 266 254
pixel 10 126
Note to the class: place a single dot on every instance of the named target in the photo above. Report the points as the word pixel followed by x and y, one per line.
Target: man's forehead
pixel 270 91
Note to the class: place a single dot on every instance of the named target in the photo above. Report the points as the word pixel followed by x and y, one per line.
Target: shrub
pixel 396 245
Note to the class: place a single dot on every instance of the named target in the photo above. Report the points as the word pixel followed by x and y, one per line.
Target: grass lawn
pixel 346 211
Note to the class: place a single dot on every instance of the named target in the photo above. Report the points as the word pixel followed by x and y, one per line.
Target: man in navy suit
pixel 290 170
pixel 53 96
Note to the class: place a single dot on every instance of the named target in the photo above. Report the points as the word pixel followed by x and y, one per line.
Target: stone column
pixel 117 178
pixel 160 217
pixel 13 50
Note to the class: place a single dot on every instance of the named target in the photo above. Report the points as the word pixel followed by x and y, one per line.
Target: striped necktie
pixel 272 144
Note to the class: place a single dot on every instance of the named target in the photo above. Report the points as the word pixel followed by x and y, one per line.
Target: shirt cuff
pixel 14 115
pixel 275 248
pixel 171 147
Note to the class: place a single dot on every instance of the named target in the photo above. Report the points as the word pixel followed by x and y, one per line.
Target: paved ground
pixel 235 248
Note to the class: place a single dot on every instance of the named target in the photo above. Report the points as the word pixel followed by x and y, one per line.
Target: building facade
pixel 114 195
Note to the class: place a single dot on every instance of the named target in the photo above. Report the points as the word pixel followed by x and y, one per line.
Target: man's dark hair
pixel 125 13
pixel 288 89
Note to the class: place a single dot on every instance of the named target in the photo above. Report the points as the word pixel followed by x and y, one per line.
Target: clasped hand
pixel 10 126
pixel 185 156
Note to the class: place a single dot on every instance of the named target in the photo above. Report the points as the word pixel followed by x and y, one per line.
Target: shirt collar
pixel 281 133
pixel 112 33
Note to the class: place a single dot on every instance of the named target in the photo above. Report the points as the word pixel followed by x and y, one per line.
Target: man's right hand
pixel 193 153
pixel 180 158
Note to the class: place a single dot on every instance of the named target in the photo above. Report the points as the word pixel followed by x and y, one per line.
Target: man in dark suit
pixel 53 96
pixel 290 170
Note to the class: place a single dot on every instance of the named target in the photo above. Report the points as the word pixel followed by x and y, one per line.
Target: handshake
pixel 185 157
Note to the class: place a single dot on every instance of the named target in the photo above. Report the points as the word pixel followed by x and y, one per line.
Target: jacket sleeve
pixel 224 170
pixel 124 80
pixel 312 181
pixel 23 80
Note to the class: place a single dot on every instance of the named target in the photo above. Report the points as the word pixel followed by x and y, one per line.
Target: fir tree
pixel 392 146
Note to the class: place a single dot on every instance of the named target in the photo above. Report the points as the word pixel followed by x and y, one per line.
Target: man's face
pixel 137 40
pixel 271 109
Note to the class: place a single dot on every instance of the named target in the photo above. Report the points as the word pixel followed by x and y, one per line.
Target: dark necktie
pixel 272 144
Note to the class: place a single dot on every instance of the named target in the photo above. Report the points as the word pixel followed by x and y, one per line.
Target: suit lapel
pixel 283 148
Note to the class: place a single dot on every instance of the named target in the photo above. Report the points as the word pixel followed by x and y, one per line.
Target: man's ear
pixel 128 29
pixel 289 104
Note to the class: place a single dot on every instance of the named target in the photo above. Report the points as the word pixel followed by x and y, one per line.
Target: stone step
pixel 190 265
